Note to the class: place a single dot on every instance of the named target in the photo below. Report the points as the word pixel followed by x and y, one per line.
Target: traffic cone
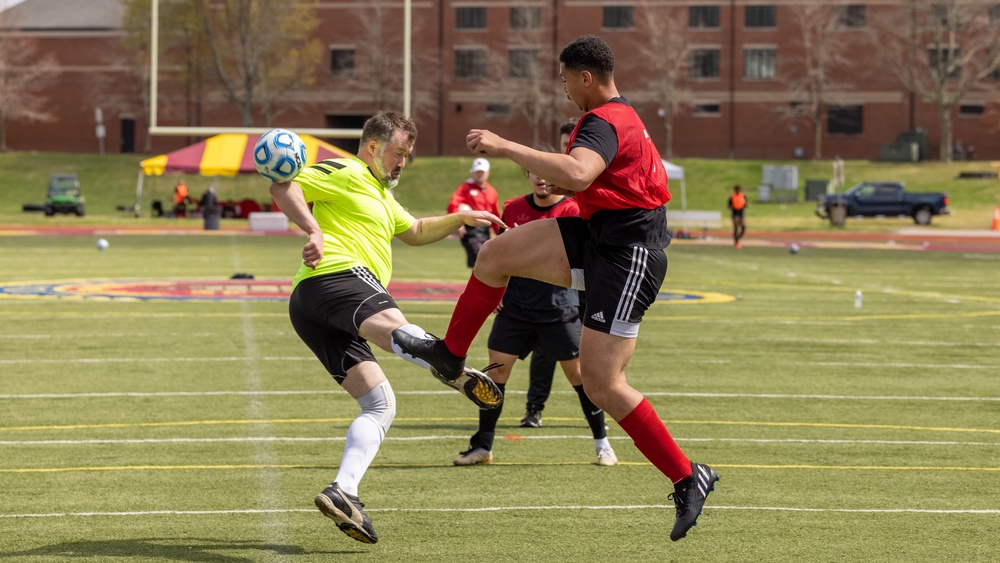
pixel 996 219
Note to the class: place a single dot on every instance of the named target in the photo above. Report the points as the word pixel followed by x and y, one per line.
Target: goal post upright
pixel 156 129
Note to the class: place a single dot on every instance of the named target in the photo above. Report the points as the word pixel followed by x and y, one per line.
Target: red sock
pixel 654 441
pixel 475 305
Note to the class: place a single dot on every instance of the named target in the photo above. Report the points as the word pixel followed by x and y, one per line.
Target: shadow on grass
pixel 192 549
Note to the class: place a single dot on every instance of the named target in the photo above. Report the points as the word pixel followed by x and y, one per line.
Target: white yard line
pixel 130 514
pixel 464 436
pixel 810 396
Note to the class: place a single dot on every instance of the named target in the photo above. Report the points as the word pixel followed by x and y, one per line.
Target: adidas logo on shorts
pixel 598 316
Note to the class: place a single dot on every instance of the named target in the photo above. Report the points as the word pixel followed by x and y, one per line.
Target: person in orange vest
pixel 737 204
pixel 181 198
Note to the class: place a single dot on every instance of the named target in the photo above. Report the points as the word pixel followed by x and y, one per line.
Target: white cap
pixel 480 165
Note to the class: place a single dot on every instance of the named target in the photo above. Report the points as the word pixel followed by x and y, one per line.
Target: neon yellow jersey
pixel 357 214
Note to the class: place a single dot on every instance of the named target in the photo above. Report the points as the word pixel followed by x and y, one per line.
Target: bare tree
pixel 24 72
pixel 380 72
pixel 810 77
pixel 533 92
pixel 261 51
pixel 941 50
pixel 664 56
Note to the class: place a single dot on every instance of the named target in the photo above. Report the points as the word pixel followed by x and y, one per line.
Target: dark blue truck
pixel 888 199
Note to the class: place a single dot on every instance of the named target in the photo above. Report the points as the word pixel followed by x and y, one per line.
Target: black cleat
pixel 432 350
pixel 532 419
pixel 689 495
pixel 475 385
pixel 347 511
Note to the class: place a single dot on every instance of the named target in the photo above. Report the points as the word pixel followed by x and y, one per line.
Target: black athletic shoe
pixel 433 351
pixel 689 495
pixel 347 512
pixel 533 419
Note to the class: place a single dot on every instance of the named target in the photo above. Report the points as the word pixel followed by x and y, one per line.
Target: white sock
pixel 601 443
pixel 415 331
pixel 365 435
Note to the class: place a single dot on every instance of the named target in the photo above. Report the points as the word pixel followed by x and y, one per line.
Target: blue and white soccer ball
pixel 279 155
pixel 794 248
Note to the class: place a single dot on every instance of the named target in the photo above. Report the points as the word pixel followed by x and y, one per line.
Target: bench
pixel 684 219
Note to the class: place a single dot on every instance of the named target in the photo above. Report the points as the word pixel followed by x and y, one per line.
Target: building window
pixel 706 110
pixel 523 63
pixel 971 110
pixel 618 17
pixel 758 64
pixel 704 63
pixel 342 62
pixel 525 17
pixel 470 18
pixel 470 64
pixel 851 15
pixel 944 57
pixel 703 17
pixel 497 109
pixel 845 120
pixel 761 16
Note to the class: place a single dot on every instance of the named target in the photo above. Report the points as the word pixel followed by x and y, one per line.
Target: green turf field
pixel 200 431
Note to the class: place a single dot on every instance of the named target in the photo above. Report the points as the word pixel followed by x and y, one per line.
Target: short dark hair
pixel 567 126
pixel 383 125
pixel 589 52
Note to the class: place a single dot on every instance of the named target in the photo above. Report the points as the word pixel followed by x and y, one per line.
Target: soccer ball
pixel 102 244
pixel 794 248
pixel 279 155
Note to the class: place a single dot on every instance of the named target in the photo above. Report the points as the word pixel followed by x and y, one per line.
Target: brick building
pixel 724 74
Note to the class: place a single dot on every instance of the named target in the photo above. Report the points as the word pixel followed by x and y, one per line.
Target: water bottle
pixel 857 299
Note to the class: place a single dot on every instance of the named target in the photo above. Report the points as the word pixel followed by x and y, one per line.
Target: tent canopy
pixel 227 155
pixel 674 172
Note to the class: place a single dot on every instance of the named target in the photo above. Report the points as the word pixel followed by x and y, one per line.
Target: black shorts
pixel 737 213
pixel 557 341
pixel 327 310
pixel 621 281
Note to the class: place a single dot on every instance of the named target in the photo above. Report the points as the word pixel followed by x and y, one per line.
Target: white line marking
pixel 465 437
pixel 510 508
pixel 513 391
pixel 35 361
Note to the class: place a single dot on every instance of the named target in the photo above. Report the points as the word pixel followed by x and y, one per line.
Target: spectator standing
pixel 475 194
pixel 737 204
pixel 181 198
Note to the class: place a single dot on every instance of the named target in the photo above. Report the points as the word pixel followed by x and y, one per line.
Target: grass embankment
pixel 110 181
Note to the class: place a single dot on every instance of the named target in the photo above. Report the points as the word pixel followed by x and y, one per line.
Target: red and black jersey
pixel 520 210
pixel 635 177
pixel 530 300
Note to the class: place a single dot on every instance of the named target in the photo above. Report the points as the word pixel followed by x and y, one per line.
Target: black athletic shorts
pixel 558 341
pixel 621 281
pixel 737 212
pixel 327 310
